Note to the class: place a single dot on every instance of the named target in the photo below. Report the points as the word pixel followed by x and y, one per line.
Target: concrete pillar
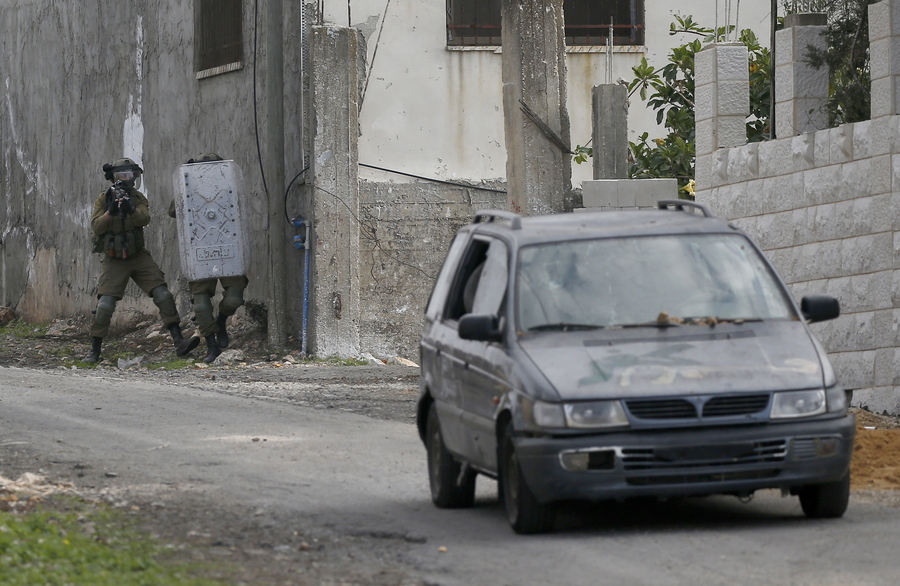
pixel 610 132
pixel 801 92
pixel 884 51
pixel 722 97
pixel 538 167
pixel 337 56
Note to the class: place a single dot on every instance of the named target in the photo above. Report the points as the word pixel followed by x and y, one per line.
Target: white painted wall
pixel 438 113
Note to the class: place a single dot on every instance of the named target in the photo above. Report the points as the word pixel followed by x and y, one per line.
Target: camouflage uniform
pixel 119 237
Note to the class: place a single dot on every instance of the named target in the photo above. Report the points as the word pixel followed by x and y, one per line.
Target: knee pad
pixel 164 300
pixel 105 309
pixel 203 310
pixel 232 298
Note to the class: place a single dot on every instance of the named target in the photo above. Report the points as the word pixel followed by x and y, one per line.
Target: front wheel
pixel 448 489
pixel 526 514
pixel 827 500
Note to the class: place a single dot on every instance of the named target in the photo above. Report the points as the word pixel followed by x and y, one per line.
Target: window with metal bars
pixel 218 35
pixel 588 22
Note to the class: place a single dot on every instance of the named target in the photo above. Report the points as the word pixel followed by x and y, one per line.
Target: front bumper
pixel 687 462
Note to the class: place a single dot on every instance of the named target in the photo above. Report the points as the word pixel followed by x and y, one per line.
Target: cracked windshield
pixel 651 281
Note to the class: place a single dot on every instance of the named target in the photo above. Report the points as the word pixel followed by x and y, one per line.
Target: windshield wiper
pixel 565 327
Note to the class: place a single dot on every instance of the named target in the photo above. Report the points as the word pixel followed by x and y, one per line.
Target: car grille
pixel 710 407
pixel 697 478
pixel 704 455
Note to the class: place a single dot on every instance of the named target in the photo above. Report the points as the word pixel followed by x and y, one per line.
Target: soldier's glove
pixel 113 206
pixel 125 206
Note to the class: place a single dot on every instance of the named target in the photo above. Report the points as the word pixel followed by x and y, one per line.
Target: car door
pixel 449 364
pixel 486 364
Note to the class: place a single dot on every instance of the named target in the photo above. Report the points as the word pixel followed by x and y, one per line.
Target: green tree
pixel 670 91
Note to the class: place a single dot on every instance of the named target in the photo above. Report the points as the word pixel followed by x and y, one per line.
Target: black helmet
pixel 206 158
pixel 123 169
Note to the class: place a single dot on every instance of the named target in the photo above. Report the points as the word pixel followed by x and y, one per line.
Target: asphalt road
pixel 360 475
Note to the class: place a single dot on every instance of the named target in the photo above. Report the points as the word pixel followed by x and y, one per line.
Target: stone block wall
pixel 823 206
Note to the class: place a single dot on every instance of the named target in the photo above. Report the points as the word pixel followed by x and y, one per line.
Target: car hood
pixel 752 357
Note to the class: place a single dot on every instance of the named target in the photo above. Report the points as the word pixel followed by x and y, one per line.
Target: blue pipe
pixel 306 224
pixel 303 241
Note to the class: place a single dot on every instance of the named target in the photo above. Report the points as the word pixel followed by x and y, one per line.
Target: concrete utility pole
pixel 539 163
pixel 277 240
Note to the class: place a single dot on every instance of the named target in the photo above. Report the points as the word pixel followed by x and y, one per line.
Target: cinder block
pixel 823 147
pixel 784 83
pixel 785 125
pixel 841 141
pixel 880 213
pixel 784 46
pixel 732 131
pixel 705 136
pixel 821 184
pixel 880 57
pixel 879 21
pixel 801 225
pixel 743 162
pixel 600 193
pixel 705 66
pixel 732 62
pixel 705 102
pixel 778 194
pixel 733 99
pixel 776 157
pixel 882 97
pixel 703 170
pixel 865 177
pixel 803 148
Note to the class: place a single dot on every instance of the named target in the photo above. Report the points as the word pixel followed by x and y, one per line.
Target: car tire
pixel 526 515
pixel 827 500
pixel 444 470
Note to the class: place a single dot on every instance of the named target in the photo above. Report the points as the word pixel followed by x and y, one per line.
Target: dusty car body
pixel 625 354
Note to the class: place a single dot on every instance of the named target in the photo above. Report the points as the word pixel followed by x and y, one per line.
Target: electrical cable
pixel 286 217
pixel 255 117
pixel 433 180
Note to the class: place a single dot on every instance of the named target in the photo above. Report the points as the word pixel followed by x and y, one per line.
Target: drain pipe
pixel 302 241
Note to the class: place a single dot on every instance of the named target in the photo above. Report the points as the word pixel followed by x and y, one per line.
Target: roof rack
pixel 679 205
pixel 515 220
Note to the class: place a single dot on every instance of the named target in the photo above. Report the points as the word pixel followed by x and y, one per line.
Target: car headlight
pixel 595 414
pixel 587 415
pixel 798 404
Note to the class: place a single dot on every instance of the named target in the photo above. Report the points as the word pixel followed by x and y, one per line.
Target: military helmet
pixel 206 158
pixel 123 166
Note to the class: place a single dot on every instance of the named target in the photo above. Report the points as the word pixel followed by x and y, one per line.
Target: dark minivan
pixel 618 354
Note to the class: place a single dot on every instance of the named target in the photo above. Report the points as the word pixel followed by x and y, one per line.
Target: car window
pixel 442 283
pixel 621 281
pixel 491 289
pixel 480 282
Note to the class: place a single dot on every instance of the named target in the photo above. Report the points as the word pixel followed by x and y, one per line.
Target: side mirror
pixel 819 308
pixel 482 328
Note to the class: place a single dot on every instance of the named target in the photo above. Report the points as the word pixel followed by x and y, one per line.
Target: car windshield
pixel 645 281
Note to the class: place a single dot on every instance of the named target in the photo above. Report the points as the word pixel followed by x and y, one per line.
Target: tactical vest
pixel 123 239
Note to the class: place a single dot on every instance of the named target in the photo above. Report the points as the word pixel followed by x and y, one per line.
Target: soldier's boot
pixel 222 334
pixel 212 349
pixel 94 355
pixel 182 346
